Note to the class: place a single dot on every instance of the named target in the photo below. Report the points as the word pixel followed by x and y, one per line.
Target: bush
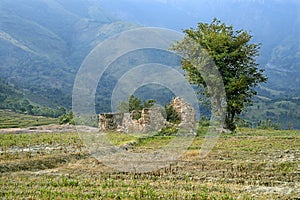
pixel 67 118
pixel 172 115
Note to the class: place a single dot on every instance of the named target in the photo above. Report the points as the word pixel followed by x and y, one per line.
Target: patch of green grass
pixel 117 138
pixel 266 132
pixel 141 140
pixel 154 142
pixel 25 140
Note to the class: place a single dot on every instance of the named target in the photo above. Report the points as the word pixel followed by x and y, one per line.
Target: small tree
pixel 172 115
pixel 67 118
pixel 233 55
pixel 135 105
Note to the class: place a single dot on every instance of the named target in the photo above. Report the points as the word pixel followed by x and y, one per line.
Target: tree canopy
pixel 234 56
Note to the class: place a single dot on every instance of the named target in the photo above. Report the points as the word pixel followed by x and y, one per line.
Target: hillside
pixel 41 52
pixel 19 100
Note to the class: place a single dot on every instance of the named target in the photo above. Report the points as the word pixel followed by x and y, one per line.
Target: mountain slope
pixel 43 42
pixel 18 100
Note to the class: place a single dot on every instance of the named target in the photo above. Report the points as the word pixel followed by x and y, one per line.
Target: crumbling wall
pixel 130 125
pixel 110 121
pixel 185 112
pixel 152 119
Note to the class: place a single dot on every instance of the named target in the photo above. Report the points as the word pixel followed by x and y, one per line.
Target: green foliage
pixel 235 58
pixel 283 112
pixel 149 103
pixel 134 103
pixel 174 119
pixel 204 121
pixel 67 118
pixel 267 124
pixel 172 115
pixel 135 106
pixel 26 107
pixel 123 107
pixel 15 99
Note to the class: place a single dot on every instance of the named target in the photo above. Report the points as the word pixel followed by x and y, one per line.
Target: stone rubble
pixel 152 119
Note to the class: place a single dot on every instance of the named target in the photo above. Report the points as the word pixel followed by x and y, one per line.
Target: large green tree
pixel 234 56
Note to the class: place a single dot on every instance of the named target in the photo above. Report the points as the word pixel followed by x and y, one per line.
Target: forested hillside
pixel 19 100
pixel 42 44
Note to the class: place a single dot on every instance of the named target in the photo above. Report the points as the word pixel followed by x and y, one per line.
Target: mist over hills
pixel 275 24
pixel 43 42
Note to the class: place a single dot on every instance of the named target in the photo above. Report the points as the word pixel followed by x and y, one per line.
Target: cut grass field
pixel 251 164
pixel 9 119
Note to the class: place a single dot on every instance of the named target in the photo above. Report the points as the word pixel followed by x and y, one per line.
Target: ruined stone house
pixel 151 120
pixel 185 112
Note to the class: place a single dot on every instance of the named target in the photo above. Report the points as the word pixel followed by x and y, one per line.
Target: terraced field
pixel 10 119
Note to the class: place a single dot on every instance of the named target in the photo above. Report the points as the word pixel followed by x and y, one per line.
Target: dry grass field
pixel 250 164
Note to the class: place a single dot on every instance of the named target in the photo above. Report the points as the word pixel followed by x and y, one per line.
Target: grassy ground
pixel 251 164
pixel 10 119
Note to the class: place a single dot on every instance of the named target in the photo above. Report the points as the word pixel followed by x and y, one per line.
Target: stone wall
pixel 185 112
pixel 110 121
pixel 151 120
pixel 154 119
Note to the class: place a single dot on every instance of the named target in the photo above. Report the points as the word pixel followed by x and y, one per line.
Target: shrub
pixel 172 115
pixel 67 118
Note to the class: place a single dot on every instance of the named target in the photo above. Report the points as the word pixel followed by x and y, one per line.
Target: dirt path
pixel 50 129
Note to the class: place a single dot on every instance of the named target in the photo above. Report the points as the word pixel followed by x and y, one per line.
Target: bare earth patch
pixel 52 128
